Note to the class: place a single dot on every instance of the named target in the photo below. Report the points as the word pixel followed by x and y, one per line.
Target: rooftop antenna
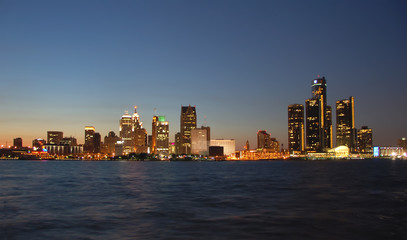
pixel 205 122
pixel 155 111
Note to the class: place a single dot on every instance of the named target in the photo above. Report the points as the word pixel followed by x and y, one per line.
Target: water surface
pixel 358 199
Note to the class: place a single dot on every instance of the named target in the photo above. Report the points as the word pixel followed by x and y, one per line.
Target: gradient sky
pixel 68 64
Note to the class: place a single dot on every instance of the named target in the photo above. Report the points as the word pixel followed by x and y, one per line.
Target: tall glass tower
pixel 188 122
pixel 318 118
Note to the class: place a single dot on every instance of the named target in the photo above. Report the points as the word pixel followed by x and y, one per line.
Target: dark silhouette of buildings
pixel 296 128
pixel 346 133
pixel 18 143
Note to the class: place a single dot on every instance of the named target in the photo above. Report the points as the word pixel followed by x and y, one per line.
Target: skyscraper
pixel 318 118
pixel 96 142
pixel 126 133
pixel 346 132
pixel 88 147
pixel 110 141
pixel 139 133
pixel 296 128
pixel 188 122
pixel 365 140
pixel 54 137
pixel 313 125
pixel 162 136
pixel 154 135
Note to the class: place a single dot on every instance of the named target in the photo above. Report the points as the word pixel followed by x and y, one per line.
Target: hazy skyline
pixel 65 65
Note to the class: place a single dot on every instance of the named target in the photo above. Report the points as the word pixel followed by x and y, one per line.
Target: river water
pixel 354 199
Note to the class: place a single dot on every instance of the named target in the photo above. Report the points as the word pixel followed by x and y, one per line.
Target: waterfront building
pixel 54 137
pixel 63 150
pixel 70 141
pixel 264 141
pixel 296 143
pixel 402 142
pixel 389 152
pixel 126 133
pixel 346 133
pixel 339 152
pixel 162 136
pixel 199 141
pixel 188 122
pixel 18 142
pixel 318 118
pixel 110 141
pixel 38 143
pixel 229 145
pixel 365 140
pixel 88 147
pixel 216 151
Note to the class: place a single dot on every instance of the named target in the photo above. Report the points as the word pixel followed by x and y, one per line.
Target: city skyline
pixel 240 63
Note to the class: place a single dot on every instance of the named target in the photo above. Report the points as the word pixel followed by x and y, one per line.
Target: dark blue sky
pixel 67 64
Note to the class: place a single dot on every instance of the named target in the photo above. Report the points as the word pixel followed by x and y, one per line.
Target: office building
pixel 365 140
pixel 296 142
pixel 88 147
pixel 97 141
pixel 18 143
pixel 139 134
pixel 346 133
pixel 199 141
pixel 126 134
pixel 110 141
pixel 39 143
pixel 313 125
pixel 63 150
pixel 229 145
pixel 70 141
pixel 162 136
pixel 54 137
pixel 153 144
pixel 188 122
pixel 402 142
pixel 318 118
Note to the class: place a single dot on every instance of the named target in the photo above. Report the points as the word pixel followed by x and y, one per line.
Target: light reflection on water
pixel 203 200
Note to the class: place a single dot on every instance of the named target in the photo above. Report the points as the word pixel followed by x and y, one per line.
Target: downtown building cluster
pixel 310 128
pixel 310 134
pixel 134 139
